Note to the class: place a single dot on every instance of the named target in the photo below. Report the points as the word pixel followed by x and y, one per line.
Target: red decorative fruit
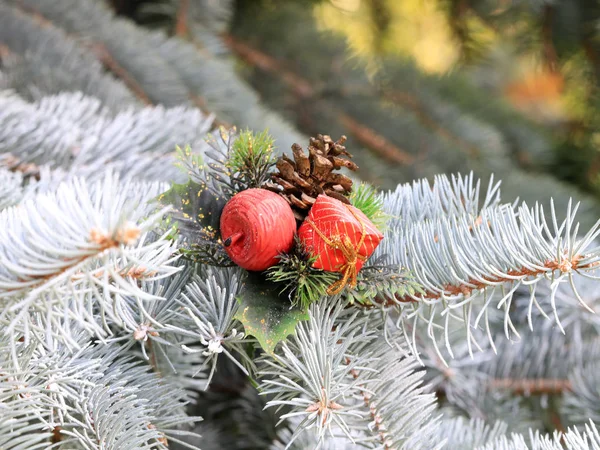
pixel 257 225
pixel 340 236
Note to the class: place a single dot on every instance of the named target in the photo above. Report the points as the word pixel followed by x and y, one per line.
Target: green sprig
pixel 303 283
pixel 381 284
pixel 251 158
pixel 366 198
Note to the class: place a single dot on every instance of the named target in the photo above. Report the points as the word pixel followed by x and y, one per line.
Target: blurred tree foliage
pixel 541 57
pixel 422 86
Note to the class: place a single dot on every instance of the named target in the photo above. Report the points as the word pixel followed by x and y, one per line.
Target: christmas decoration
pixel 341 237
pixel 256 226
pixel 305 177
pixel 236 210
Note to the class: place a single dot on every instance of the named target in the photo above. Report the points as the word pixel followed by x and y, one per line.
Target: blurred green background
pixel 421 86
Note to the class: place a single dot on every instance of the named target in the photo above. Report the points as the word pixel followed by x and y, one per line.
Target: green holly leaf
pixel 265 315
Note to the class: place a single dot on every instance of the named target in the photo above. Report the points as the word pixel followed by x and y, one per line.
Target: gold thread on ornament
pixel 350 253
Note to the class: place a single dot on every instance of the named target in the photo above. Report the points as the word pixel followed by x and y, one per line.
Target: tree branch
pixel 105 57
pixel 304 89
pixel 466 289
pixel 412 103
pixel 181 26
pixel 101 53
pixel 127 235
pixel 532 386
pixel 372 407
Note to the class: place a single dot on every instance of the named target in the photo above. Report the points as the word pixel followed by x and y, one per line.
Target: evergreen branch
pixel 210 253
pixel 573 438
pixel 580 404
pixel 391 381
pixel 309 374
pixel 33 70
pixel 453 196
pixel 159 82
pixel 429 121
pixel 207 311
pixel 452 259
pixel 253 56
pixel 170 70
pixel 251 159
pixel 382 286
pixel 104 56
pixel 234 163
pixel 77 134
pixel 375 141
pixel 562 265
pixel 461 434
pixel 50 240
pixel 378 425
pixel 304 89
pixel 366 198
pixel 84 399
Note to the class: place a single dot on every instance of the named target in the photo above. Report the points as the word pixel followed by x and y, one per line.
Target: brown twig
pixel 14 164
pixel 57 435
pixel 467 288
pixel 103 241
pixel 106 58
pixel 379 426
pixel 368 137
pixel 305 90
pixel 162 439
pixel 532 386
pixel 181 22
pixel 269 64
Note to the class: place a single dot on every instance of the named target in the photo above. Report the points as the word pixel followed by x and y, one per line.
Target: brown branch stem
pixel 100 51
pixel 181 26
pixel 103 241
pixel 305 90
pixel 379 426
pixel 466 289
pixel 106 58
pixel 532 386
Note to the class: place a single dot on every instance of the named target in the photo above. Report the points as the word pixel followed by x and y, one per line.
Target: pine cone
pixel 305 177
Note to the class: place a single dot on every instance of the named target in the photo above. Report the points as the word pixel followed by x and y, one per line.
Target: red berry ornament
pixel 341 237
pixel 257 225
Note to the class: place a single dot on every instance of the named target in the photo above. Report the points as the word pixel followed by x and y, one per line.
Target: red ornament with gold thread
pixel 256 226
pixel 341 238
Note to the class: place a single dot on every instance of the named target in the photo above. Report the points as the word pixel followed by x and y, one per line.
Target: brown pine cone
pixel 302 179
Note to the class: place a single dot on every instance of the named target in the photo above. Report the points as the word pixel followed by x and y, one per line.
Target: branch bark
pixel 532 386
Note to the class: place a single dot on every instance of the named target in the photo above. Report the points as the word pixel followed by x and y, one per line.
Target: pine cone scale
pixel 302 179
